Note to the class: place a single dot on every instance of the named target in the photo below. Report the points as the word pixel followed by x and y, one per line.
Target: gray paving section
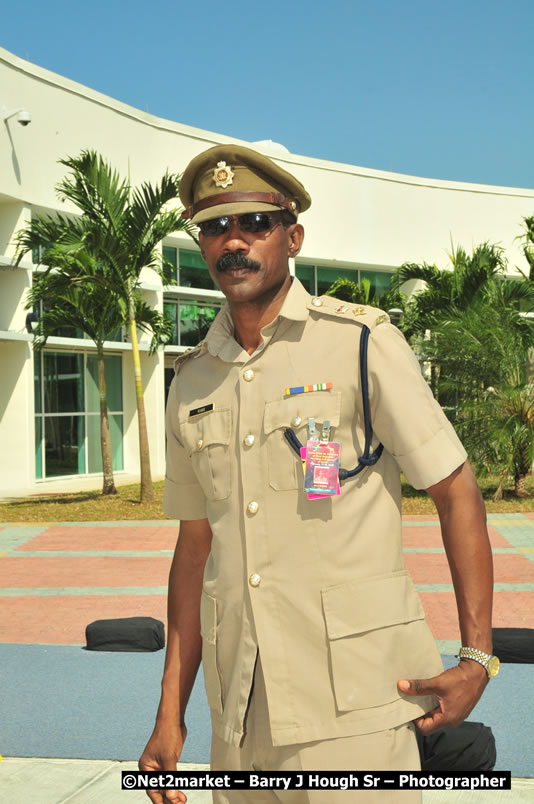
pixel 13 536
pixel 72 781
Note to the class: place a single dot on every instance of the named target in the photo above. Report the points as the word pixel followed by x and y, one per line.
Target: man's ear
pixel 296 238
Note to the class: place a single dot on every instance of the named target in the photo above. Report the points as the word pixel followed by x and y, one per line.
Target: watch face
pixel 493 666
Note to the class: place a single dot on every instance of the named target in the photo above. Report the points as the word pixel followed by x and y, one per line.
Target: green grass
pixel 91 506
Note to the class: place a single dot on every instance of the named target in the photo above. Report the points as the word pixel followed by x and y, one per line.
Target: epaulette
pixel 192 353
pixel 361 313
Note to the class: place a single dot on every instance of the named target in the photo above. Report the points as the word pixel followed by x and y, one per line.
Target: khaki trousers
pixel 394 749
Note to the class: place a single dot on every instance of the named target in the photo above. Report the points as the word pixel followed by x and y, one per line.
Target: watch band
pixel 490 663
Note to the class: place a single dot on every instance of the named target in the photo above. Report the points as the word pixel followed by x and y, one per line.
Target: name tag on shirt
pixel 203 409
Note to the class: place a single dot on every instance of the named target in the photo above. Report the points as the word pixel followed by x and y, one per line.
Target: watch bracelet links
pixel 478 656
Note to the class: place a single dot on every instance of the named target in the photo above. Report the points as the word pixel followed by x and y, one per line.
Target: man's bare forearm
pixel 465 536
pixel 184 643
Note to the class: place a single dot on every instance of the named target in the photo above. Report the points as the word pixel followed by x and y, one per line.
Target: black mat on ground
pixel 68 702
pixel 514 645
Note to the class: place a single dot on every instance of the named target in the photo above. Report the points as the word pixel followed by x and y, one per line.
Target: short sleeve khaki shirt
pixel 318 587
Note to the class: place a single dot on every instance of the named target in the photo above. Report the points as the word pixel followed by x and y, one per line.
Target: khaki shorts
pixel 393 749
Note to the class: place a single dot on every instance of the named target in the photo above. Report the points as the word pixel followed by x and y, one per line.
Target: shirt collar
pixel 220 338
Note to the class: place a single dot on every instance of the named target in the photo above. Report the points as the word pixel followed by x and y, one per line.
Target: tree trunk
pixel 146 492
pixel 519 485
pixel 108 486
pixel 499 491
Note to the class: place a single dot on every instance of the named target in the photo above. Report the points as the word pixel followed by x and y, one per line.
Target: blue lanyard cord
pixel 368 458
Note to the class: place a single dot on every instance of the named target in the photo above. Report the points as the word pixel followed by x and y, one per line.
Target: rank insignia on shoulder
pixel 381 318
pixel 359 310
pixel 342 308
pixel 193 352
pixel 223 175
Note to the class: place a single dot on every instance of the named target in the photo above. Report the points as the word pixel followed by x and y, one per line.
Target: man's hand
pixel 457 689
pixel 162 752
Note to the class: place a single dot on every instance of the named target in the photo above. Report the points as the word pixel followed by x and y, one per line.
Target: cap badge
pixel 222 175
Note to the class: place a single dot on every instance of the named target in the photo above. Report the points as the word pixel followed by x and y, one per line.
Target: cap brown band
pixel 277 199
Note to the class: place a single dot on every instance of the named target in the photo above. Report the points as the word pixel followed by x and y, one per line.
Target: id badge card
pixel 321 468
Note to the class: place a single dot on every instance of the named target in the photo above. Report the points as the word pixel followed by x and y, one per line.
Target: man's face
pixel 251 267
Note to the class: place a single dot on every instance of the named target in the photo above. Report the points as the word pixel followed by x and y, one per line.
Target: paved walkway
pixel 55 578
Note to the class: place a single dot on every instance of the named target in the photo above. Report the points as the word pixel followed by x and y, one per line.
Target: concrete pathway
pixel 75 781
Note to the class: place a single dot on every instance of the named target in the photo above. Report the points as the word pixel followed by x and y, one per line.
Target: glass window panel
pixel 194 271
pixel 64 445
pixel 115 430
pixel 63 382
pixel 38 447
pixel 195 320
pixel 113 375
pixel 306 274
pixel 380 282
pixel 94 447
pixel 170 255
pixel 326 276
pixel 37 382
pixel 69 332
pixel 169 377
pixel 170 310
pixel 116 335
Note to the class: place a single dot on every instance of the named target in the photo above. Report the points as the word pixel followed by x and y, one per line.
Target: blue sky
pixel 438 89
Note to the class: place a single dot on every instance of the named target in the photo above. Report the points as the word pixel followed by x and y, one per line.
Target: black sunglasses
pixel 253 222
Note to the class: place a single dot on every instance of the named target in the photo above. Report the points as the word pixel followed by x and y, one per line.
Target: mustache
pixel 236 260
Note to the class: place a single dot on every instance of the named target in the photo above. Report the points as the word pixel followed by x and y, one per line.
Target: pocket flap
pixel 210 428
pixel 367 604
pixel 320 405
pixel 208 618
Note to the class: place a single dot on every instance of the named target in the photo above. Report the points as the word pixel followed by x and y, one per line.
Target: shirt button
pixel 249 440
pixel 296 420
pixel 248 375
pixel 317 302
pixel 254 579
pixel 200 443
pixel 253 507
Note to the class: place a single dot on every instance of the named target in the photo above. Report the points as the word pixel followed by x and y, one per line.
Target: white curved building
pixel 361 220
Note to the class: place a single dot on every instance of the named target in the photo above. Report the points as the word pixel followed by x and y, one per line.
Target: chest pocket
pixel 285 469
pixel 207 439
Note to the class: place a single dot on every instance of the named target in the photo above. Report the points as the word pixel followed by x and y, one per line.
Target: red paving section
pixel 120 537
pixel 509 609
pixel 433 568
pixel 61 619
pixel 430 536
pixel 84 571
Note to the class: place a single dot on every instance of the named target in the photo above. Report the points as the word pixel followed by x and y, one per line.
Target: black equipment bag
pixel 136 634
pixel 467 747
pixel 515 645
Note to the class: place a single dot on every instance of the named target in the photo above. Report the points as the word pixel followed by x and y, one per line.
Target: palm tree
pixel 114 238
pixel 528 244
pixel 483 352
pixel 445 289
pixel 362 293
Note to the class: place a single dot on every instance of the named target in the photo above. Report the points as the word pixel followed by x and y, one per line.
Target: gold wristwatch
pixel 491 664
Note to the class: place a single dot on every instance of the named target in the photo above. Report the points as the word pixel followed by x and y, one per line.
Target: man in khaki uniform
pixel 315 651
